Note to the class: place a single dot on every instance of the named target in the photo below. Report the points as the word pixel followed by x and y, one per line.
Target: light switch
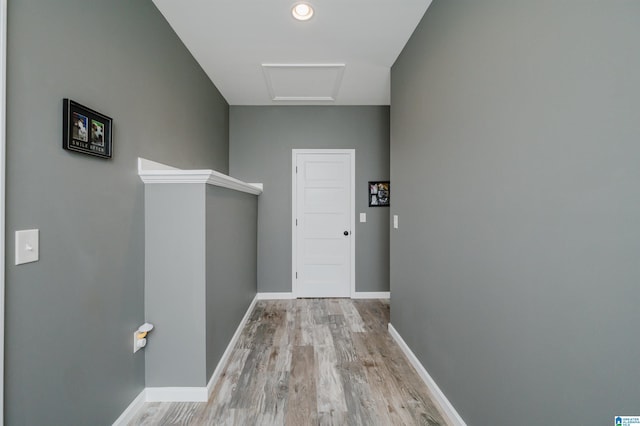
pixel 395 221
pixel 363 217
pixel 27 246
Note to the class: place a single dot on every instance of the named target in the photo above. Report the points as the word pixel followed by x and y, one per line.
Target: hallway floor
pixel 310 362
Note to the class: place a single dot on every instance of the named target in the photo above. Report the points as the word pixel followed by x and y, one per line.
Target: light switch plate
pixel 27 246
pixel 363 217
pixel 395 221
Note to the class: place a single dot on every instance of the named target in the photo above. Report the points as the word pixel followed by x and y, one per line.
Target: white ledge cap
pixel 152 172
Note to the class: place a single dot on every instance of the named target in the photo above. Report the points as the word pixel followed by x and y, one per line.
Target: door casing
pixel 3 134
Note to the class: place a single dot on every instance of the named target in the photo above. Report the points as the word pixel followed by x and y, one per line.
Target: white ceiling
pixel 342 56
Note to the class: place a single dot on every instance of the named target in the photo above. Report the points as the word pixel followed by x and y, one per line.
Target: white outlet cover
pixel 27 246
pixel 363 217
pixel 138 343
pixel 395 221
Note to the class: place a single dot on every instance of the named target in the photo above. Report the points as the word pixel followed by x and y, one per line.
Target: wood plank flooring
pixel 310 362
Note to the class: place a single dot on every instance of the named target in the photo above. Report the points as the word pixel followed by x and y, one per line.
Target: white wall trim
pixel 227 353
pixel 371 295
pixel 132 410
pixel 3 141
pixel 144 164
pixel 294 260
pixel 275 296
pixel 152 172
pixel 179 394
pixel 182 394
pixel 441 400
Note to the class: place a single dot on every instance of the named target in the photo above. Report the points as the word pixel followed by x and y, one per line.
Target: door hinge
pixel 296 169
pixel 296 222
pixel 296 275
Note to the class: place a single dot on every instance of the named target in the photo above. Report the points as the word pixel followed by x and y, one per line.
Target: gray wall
pixel 260 144
pixel 231 247
pixel 201 244
pixel 70 316
pixel 514 163
pixel 174 293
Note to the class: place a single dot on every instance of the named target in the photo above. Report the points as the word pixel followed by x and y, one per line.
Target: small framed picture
pixel 378 194
pixel 85 130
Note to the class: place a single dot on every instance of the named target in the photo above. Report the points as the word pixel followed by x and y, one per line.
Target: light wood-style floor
pixel 310 362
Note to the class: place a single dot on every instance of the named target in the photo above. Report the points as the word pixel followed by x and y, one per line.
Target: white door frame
pixel 352 211
pixel 3 134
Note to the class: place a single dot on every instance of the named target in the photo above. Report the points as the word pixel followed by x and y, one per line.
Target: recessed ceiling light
pixel 302 11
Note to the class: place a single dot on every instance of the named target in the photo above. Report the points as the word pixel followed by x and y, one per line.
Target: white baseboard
pixel 445 406
pixel 130 412
pixel 181 394
pixel 356 295
pixel 275 296
pixel 185 394
pixel 227 353
pixel 371 295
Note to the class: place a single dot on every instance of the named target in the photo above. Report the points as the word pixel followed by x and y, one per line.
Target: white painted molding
pixel 132 410
pixel 144 164
pixel 275 296
pixel 371 295
pixel 152 172
pixel 188 394
pixel 176 394
pixel 446 408
pixel 182 394
pixel 227 353
pixel 3 142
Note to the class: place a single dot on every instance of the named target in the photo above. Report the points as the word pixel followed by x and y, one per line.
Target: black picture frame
pixel 379 193
pixel 85 130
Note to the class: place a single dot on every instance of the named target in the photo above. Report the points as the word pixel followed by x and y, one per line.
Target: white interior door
pixel 323 223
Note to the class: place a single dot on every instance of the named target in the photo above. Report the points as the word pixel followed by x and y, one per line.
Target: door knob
pixel 346 233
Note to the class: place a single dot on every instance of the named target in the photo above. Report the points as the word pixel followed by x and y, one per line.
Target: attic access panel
pixel 303 82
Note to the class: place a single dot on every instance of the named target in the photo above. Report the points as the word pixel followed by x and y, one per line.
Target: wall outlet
pixel 395 221
pixel 363 217
pixel 140 336
pixel 137 342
